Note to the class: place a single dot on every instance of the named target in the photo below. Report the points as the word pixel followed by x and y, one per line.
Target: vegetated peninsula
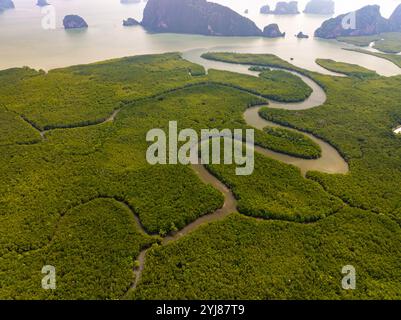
pixel 6 4
pixel 320 7
pixel 389 42
pixel 368 21
pixel 196 17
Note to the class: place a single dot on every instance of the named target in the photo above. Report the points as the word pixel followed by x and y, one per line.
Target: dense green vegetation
pixel 92 249
pixel 259 60
pixel 296 144
pixel 351 70
pixel 245 258
pixel 285 195
pixel 258 68
pixel 87 94
pixel 270 84
pixel 389 42
pixel 360 41
pixel 14 130
pixel 47 180
pixel 394 58
pixel 79 198
pixel 358 119
pixel 195 104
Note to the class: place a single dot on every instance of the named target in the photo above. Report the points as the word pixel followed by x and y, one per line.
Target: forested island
pixel 196 17
pixel 273 31
pixel 74 22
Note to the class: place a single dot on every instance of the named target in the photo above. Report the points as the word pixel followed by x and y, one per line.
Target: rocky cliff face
pixel 395 19
pixel 365 21
pixel 196 17
pixel 320 7
pixel 6 4
pixel 273 31
pixel 74 22
pixel 286 8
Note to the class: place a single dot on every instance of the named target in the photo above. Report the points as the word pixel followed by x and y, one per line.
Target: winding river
pixel 330 161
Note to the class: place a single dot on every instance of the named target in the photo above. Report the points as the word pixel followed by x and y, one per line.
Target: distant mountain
pixel 395 19
pixel 74 22
pixel 281 8
pixel 6 4
pixel 42 3
pixel 320 7
pixel 368 21
pixel 286 8
pixel 196 17
pixel 265 9
pixel 301 35
pixel 273 31
pixel 130 22
pixel 129 1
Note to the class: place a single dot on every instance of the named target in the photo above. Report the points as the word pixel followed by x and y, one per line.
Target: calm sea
pixel 23 41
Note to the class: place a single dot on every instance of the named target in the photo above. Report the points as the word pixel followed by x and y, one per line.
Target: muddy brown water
pixel 330 162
